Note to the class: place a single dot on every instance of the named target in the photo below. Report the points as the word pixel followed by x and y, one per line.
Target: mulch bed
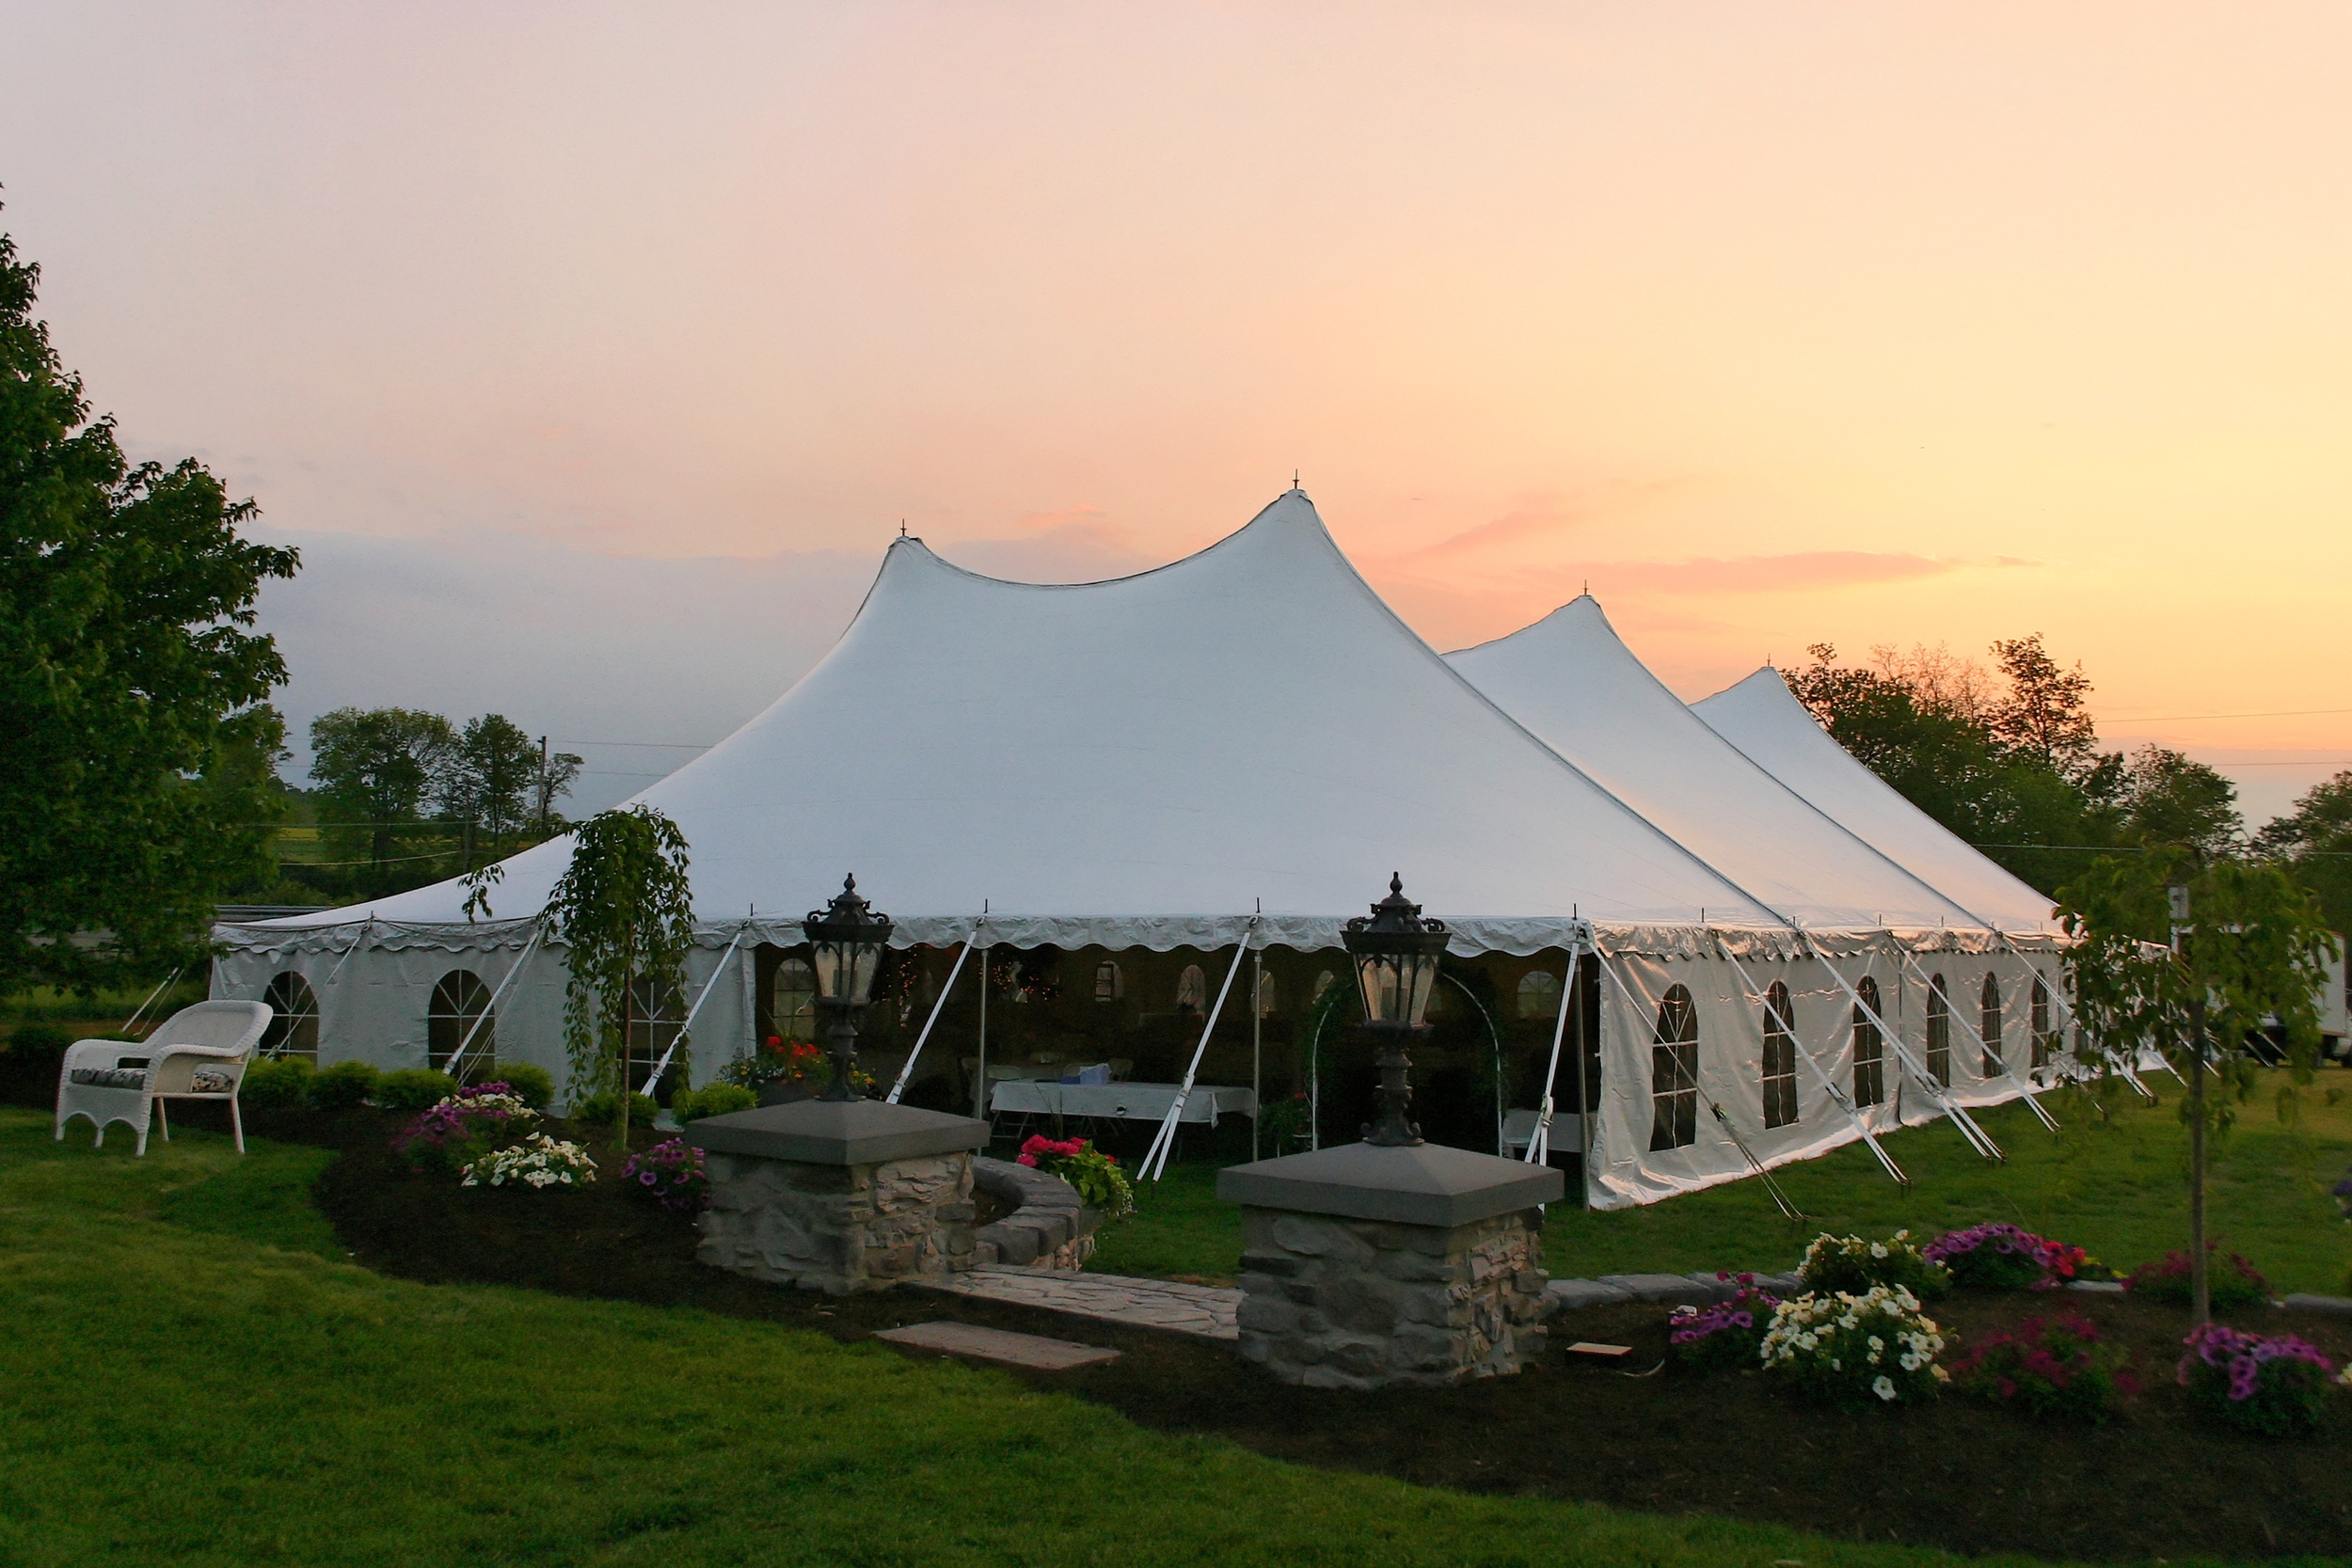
pixel 1960 1475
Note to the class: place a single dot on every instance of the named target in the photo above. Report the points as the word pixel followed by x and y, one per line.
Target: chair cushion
pixel 208 1079
pixel 111 1077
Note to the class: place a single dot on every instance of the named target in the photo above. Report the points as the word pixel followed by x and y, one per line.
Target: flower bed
pixel 2055 1368
pixel 1999 1257
pixel 537 1162
pixel 671 1174
pixel 455 1132
pixel 2228 1284
pixel 1856 1351
pixel 1852 1265
pixel 2275 1386
pixel 1093 1173
pixel 1727 1337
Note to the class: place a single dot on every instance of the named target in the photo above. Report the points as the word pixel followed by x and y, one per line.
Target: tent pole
pixel 1539 1141
pixel 938 1006
pixel 979 1086
pixel 1978 1138
pixel 686 1028
pixel 1829 1085
pixel 1165 1141
pixel 490 1009
pixel 1982 1050
pixel 1257 1046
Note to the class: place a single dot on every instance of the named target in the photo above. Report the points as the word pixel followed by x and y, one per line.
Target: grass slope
pixel 171 1394
pixel 2118 1187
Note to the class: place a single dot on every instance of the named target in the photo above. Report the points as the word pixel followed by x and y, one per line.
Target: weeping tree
pixel 624 910
pixel 2196 956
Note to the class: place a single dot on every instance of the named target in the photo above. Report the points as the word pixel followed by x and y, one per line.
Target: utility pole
pixel 544 792
pixel 2199 1283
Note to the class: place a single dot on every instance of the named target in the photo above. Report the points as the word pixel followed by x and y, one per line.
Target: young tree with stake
pixel 624 909
pixel 2193 955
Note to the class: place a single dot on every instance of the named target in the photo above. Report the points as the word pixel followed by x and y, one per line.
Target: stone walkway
pixel 1202 1309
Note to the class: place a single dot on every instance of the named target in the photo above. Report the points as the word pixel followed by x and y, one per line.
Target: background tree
pixel 2169 799
pixel 625 912
pixel 2314 841
pixel 378 769
pixel 132 698
pixel 491 784
pixel 556 774
pixel 2007 760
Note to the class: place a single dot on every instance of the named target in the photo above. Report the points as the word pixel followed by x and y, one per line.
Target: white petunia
pixel 1884 1388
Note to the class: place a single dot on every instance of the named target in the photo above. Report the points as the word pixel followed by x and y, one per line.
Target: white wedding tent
pixel 1235 749
pixel 1954 1008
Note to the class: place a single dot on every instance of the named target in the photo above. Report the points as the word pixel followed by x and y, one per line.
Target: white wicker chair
pixel 199 1052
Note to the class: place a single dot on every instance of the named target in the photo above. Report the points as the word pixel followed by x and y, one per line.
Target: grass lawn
pixel 2118 1188
pixel 192 1376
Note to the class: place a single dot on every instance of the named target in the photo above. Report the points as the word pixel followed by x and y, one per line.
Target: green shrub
pixel 30 1061
pixel 344 1086
pixel 282 1081
pixel 711 1099
pixel 38 1040
pixel 530 1085
pixel 604 1110
pixel 412 1089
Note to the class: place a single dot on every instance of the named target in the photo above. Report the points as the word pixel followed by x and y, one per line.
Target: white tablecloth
pixel 1127 1102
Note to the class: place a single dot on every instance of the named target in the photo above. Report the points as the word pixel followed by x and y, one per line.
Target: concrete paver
pixel 996 1344
pixel 1200 1310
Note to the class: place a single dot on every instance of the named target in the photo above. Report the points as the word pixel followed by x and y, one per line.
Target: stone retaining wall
pixel 1049 1225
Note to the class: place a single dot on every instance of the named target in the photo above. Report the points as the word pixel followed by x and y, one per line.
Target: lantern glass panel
pixel 833 978
pixel 1421 980
pixel 1376 972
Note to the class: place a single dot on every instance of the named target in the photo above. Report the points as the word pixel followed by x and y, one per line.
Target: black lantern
pixel 1395 953
pixel 845 944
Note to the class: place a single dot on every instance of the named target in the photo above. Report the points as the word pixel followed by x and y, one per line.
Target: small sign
pixel 1586 1347
pixel 2177 895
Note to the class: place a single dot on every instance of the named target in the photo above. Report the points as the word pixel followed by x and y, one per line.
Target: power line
pixel 657 745
pixel 2281 713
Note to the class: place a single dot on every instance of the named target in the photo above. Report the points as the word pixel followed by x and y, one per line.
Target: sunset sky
pixel 593 354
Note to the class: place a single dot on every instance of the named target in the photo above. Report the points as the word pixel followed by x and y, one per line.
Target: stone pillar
pixel 1366 1266
pixel 837 1195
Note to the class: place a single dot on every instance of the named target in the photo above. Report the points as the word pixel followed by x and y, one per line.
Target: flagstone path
pixel 1201 1310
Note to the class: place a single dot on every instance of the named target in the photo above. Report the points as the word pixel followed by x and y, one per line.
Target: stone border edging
pixel 1049 1227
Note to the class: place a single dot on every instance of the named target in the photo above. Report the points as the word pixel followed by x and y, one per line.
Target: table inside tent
pixel 1085 1104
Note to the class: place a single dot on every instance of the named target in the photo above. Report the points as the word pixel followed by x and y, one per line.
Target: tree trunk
pixel 629 999
pixel 2200 1280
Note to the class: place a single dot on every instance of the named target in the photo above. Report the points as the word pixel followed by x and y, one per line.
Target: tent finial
pixel 902 527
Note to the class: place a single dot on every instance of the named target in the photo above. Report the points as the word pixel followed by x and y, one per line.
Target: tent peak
pixel 1292 509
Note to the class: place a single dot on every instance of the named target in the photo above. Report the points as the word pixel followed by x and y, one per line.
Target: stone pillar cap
pixel 1421 1184
pixel 837 1133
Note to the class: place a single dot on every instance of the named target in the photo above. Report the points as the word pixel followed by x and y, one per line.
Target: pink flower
pixel 1029 1159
